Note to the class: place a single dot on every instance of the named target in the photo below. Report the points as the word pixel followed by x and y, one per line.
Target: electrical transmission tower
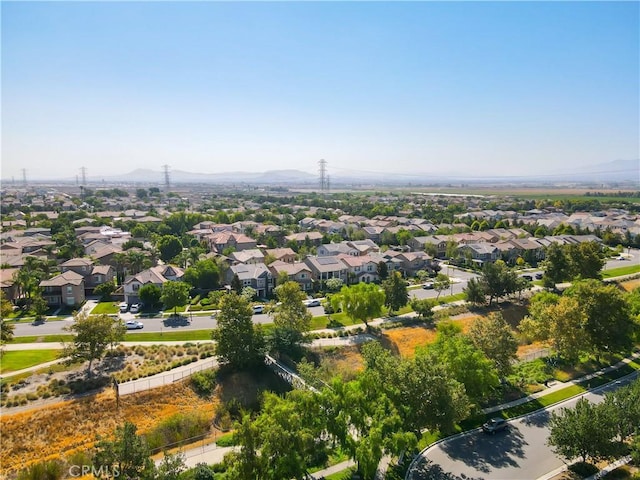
pixel 324 179
pixel 24 177
pixel 167 183
pixel 83 172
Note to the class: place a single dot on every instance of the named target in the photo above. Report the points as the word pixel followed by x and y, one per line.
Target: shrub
pixel 50 470
pixel 226 440
pixel 178 429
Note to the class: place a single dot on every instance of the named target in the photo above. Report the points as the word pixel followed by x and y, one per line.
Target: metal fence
pixel 166 378
pixel 543 352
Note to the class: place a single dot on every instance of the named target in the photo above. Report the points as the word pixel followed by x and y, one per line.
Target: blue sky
pixel 481 88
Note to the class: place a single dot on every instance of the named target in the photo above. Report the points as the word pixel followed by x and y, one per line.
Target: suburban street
pixel 519 453
pixel 459 277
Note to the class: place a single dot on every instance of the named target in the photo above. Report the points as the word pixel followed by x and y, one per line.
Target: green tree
pixel 609 325
pixel 291 317
pixel 475 292
pixel 334 284
pixel 383 270
pixel 128 454
pixel 39 306
pixel 465 362
pixel 239 342
pixel 174 295
pixel 361 302
pixel 150 295
pixel 585 259
pixel 236 284
pixel 105 290
pixel 424 308
pixel 92 335
pixel 171 467
pixel 494 337
pixel 556 265
pixel 498 280
pixel 203 274
pixel 441 283
pixel 395 292
pixel 583 432
pixel 169 246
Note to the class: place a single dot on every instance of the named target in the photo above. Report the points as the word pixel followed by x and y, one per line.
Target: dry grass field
pixel 630 284
pixel 64 427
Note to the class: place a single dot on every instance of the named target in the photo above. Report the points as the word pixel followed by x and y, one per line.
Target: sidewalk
pixel 31 369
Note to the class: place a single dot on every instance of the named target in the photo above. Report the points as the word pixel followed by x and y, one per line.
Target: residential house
pixel 312 238
pixel 251 256
pixel 286 255
pixel 298 272
pixel 480 252
pixel 7 283
pixel 220 241
pixel 333 249
pixel 325 268
pixel 66 289
pixel 257 276
pixel 93 275
pixel 360 269
pixel 157 275
pixel 413 262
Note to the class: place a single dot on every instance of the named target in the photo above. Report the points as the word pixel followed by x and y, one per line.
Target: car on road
pixel 621 258
pixel 494 425
pixel 314 302
pixel 539 276
pixel 428 286
pixel 135 308
pixel 133 325
pixel 123 307
pixel 258 308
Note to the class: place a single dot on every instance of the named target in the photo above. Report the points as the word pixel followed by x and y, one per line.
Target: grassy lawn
pixel 618 272
pixel 105 307
pixel 12 361
pixel 343 475
pixel 187 335
pixel 42 338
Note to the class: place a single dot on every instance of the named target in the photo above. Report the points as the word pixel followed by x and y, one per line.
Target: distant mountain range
pixel 621 171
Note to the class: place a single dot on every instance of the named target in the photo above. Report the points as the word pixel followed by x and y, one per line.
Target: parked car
pixel 133 325
pixel 135 308
pixel 528 277
pixel 494 425
pixel 539 276
pixel 314 302
pixel 123 307
pixel 428 286
pixel 258 308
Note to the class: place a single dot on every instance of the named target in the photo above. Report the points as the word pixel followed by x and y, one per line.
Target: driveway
pixel 520 453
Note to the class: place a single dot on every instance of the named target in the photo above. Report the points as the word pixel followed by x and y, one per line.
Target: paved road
pixel 520 453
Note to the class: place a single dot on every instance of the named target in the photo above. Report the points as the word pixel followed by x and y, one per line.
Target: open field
pixel 35 435
pixel 12 361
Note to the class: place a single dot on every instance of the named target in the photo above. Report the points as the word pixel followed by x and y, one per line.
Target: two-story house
pixel 325 268
pixel 360 269
pixel 286 255
pixel 298 272
pixel 64 289
pixel 158 275
pixel 257 276
pixel 93 275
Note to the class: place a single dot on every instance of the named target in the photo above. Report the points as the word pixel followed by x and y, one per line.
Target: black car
pixel 538 276
pixel 494 425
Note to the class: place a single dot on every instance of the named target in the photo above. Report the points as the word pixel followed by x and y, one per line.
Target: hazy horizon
pixel 473 88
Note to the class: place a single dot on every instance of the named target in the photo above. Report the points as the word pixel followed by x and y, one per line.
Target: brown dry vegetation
pixel 630 285
pixel 345 362
pixel 50 431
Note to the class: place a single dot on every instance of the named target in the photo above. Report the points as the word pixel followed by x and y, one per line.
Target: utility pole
pixel 324 182
pixel 167 183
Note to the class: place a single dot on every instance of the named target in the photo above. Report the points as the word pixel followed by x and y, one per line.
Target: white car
pixel 135 308
pixel 123 307
pixel 258 308
pixel 314 302
pixel 133 325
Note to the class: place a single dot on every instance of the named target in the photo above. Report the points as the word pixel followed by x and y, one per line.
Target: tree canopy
pixel 175 294
pixel 361 302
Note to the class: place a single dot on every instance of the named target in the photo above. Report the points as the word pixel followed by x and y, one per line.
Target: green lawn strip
pixel 17 360
pixel 185 335
pixel 620 271
pixel 343 475
pixel 105 307
pixel 42 339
